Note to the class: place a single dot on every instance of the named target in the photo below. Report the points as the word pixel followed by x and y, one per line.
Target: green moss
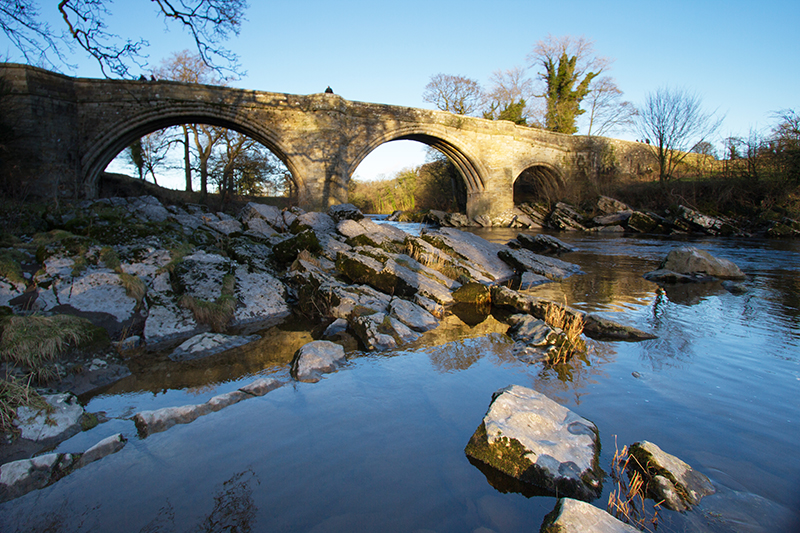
pixel 473 293
pixel 10 267
pixel 110 257
pixel 286 251
pixel 89 421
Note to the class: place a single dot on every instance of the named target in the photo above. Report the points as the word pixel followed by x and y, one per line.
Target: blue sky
pixel 740 57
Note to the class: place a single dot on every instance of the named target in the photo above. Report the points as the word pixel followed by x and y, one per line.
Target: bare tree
pixel 455 94
pixel 208 22
pixel 672 121
pixel 606 109
pixel 508 88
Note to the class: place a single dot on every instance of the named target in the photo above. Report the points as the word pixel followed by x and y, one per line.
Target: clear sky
pixel 742 58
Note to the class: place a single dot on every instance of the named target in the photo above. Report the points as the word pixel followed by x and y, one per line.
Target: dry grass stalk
pixel 571 326
pixel 14 394
pixel 627 500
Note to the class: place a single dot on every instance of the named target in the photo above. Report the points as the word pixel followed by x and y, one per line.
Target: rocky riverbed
pixel 196 283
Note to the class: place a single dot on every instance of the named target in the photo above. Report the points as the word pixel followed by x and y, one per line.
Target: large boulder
pixel 697 265
pixel 531 438
pixel 412 315
pixel 474 251
pixel 668 478
pixel 317 358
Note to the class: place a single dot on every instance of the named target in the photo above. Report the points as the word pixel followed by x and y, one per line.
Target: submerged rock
pixel 207 344
pixel 529 437
pixel 668 478
pixel 317 358
pixel 575 516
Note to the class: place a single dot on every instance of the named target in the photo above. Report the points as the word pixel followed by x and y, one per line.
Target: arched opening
pixel 538 183
pixel 223 157
pixel 205 159
pixel 444 175
pixel 407 175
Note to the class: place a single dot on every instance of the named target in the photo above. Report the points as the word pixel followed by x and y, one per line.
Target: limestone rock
pixel 672 480
pixel 529 280
pixel 207 344
pixel 62 420
pixel 412 315
pixel 225 227
pixel 149 422
pixel 529 437
pixel 261 300
pixel 260 387
pixel 610 205
pixel 706 224
pixel 286 251
pixel 600 328
pixel 270 214
pixel 20 477
pixel 566 218
pixel 201 274
pixel 104 448
pixel 316 358
pixel 530 330
pixel 542 243
pixel 379 332
pixel 613 219
pixel 575 516
pixel 549 267
pixel 644 223
pixel 478 253
pixel 345 212
pixel 691 261
pixel 474 294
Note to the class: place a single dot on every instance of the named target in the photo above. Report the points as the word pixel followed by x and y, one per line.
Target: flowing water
pixel 378 446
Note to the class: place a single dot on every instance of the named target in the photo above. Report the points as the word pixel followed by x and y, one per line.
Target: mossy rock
pixel 473 293
pixel 286 251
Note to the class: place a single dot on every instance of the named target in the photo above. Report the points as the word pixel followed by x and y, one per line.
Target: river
pixel 379 445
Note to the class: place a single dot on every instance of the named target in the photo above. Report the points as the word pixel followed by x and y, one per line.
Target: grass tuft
pixel 216 314
pixel 14 394
pixel 35 341
pixel 570 341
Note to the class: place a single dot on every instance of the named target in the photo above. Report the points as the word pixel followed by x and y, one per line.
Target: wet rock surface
pixel 532 438
pixel 575 516
pixel 669 478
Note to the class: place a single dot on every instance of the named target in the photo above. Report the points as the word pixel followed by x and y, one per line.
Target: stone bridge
pixel 68 129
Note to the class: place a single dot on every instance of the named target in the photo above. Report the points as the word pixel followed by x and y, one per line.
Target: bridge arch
pixel 470 168
pixel 537 181
pixel 115 138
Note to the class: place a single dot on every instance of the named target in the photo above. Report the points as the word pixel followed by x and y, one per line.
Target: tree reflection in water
pixel 234 509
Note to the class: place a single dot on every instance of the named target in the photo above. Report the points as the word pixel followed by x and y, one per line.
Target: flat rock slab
pixel 526 261
pixel 207 344
pixel 63 418
pixel 149 422
pixel 575 516
pixel 20 477
pixel 669 478
pixel 544 244
pixel 317 358
pixel 529 437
